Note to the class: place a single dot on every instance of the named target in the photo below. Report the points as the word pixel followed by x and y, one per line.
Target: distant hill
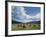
pixel 13 22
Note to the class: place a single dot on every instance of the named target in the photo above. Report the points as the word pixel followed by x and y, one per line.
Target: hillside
pixel 13 22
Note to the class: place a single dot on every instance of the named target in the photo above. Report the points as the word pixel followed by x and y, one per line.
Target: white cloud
pixel 26 18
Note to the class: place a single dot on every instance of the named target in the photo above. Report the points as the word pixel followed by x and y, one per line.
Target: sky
pixel 25 14
pixel 32 10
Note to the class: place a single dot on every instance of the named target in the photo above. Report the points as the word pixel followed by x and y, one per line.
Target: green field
pixel 25 27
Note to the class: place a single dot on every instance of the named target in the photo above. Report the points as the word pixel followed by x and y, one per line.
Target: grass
pixel 25 27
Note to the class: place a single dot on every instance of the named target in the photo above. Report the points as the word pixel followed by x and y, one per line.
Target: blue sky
pixel 32 10
pixel 27 14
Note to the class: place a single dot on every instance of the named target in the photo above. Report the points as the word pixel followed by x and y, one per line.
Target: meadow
pixel 32 26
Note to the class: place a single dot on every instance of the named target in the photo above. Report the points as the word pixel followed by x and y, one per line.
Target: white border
pixel 24 31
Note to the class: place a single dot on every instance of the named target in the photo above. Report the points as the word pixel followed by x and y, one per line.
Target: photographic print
pixel 25 18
